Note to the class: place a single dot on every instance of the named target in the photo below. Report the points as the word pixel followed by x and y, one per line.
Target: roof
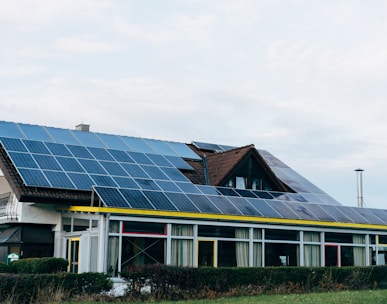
pixel 58 166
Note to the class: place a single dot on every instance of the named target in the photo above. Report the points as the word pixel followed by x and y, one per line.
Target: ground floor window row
pixel 138 243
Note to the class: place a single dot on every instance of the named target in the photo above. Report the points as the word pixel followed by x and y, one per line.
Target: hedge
pixel 37 288
pixel 166 282
pixel 39 265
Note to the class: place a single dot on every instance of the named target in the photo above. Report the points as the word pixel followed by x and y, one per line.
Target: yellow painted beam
pixel 223 217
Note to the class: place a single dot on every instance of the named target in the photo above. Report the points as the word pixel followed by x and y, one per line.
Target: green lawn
pixel 353 297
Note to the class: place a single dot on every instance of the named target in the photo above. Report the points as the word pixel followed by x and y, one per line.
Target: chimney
pixel 82 127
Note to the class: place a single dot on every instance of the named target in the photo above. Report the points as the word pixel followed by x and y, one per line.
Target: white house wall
pixel 38 213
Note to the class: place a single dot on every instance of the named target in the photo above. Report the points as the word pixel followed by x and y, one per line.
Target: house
pixel 106 202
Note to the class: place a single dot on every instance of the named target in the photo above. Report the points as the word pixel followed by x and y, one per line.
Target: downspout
pixel 205 167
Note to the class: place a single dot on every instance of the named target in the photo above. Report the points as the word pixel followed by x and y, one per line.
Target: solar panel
pixel 121 156
pixel 353 214
pixel 336 214
pixel 34 132
pixel 113 168
pixel 136 144
pixel 183 150
pixel 159 160
pixel 263 207
pixel 168 186
pixel 178 162
pixel 262 194
pixel 366 213
pixel 88 139
pixel 134 170
pixel 154 172
pixel 160 147
pixel 111 197
pixel 103 180
pixel 210 190
pixel 58 149
pixel 224 205
pixel 203 203
pixel 227 191
pixel 136 199
pixel 58 179
pixel 125 182
pixel 69 164
pixel 147 184
pixel 32 177
pixel 10 129
pixel 22 160
pixel 36 147
pixel 244 206
pixel 81 181
pixel 283 209
pixel 175 175
pixel 159 200
pixel 100 154
pixel 188 187
pixel 47 162
pixel 92 166
pixel 302 211
pixel 13 144
pixel 245 193
pixel 140 158
pixel 182 202
pixel 320 213
pixel 80 151
pixel 62 136
pixel 112 141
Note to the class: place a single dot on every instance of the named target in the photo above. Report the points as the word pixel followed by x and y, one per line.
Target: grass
pixel 343 297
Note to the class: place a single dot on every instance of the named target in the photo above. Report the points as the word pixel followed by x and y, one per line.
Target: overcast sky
pixel 305 80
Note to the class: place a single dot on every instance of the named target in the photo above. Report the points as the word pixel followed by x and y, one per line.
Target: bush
pixel 4 268
pixel 168 282
pixel 30 288
pixel 40 265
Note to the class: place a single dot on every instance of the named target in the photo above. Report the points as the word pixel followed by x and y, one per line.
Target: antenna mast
pixel 360 201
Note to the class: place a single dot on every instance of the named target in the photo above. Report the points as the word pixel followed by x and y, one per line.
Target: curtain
pixel 359 258
pixel 113 249
pixel 242 248
pixel 113 255
pixel 182 250
pixel 311 255
pixel 257 254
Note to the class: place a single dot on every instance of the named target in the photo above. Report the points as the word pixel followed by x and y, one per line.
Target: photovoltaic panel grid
pixel 96 140
pixel 201 202
pixel 67 166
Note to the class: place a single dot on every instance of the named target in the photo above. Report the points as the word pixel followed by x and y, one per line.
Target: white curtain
pixel 113 249
pixel 242 248
pixel 311 255
pixel 113 255
pixel 257 248
pixel 182 249
pixel 359 258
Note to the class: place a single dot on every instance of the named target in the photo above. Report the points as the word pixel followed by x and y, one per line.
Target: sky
pixel 305 80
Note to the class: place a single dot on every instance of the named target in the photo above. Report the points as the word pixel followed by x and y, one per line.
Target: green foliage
pixel 4 268
pixel 27 288
pixel 207 282
pixel 40 265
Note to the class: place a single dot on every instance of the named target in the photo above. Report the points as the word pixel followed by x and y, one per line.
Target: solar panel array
pixel 297 182
pixel 97 140
pixel 66 166
pixel 129 172
pixel 197 200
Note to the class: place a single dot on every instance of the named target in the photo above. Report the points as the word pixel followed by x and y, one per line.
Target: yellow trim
pixel 206 216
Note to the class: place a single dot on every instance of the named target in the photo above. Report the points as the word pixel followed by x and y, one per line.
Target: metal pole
pixel 360 202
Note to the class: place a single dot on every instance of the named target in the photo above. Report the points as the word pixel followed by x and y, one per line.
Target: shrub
pixel 4 268
pixel 30 288
pixel 40 265
pixel 182 283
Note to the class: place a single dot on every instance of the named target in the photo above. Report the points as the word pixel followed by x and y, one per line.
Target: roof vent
pixel 82 127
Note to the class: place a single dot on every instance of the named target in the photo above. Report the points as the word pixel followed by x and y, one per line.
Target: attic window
pixel 240 182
